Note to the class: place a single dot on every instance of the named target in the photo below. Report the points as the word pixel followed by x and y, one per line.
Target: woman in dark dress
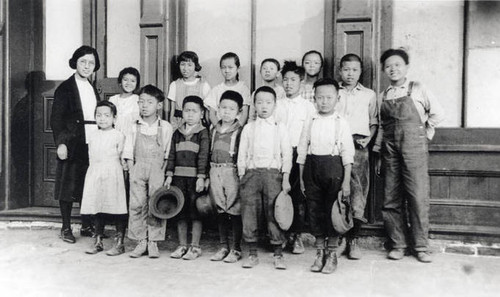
pixel 72 118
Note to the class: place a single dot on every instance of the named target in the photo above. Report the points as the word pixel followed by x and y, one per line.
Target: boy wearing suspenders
pixel 325 155
pixel 264 163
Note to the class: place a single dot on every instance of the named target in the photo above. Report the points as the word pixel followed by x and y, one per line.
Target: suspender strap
pixel 410 88
pixel 232 144
pixel 337 134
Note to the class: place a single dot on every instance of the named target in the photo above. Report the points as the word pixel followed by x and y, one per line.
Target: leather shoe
pixel 88 231
pixel 330 262
pixel 353 251
pixel 279 262
pixel 251 261
pixel 396 254
pixel 67 235
pixel 319 262
pixel 424 257
pixel 298 246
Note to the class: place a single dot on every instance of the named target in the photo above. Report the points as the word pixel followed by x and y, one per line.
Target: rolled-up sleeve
pixel 373 110
pixel 243 150
pixel 347 144
pixel 434 111
pixel 380 131
pixel 128 147
pixel 303 146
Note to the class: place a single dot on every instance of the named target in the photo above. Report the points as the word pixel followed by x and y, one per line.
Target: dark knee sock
pixel 278 249
pixel 65 208
pixel 99 223
pixel 121 225
pixel 253 248
pixel 353 233
pixel 86 221
pixel 237 232
pixel 223 224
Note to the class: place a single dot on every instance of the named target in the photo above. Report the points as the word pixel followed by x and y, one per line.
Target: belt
pixel 89 123
pixel 217 165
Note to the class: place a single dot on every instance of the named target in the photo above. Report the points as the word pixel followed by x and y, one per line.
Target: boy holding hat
pixel 325 155
pixel 264 163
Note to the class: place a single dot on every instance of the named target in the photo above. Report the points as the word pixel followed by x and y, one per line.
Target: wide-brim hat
pixel 166 203
pixel 341 215
pixel 283 211
pixel 205 204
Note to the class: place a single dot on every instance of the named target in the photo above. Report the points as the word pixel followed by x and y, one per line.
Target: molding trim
pixel 464 173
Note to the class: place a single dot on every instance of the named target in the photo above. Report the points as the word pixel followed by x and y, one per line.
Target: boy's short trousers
pixel 224 188
pixel 188 187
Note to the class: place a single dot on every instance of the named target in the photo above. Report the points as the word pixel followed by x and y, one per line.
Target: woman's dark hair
pixel 108 104
pixel 264 89
pixel 326 82
pixel 152 91
pixel 188 56
pixel 233 96
pixel 272 60
pixel 132 71
pixel 82 51
pixel 351 58
pixel 291 66
pixel 395 52
pixel 234 56
pixel 313 52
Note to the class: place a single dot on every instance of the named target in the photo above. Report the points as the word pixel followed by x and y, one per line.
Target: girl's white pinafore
pixel 104 189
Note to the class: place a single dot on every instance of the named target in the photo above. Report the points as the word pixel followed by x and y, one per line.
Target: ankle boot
pixel 330 262
pixel 119 247
pixel 319 262
pixel 96 247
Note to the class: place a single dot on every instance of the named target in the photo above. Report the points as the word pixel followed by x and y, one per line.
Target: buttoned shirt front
pixel 264 144
pixel 323 137
pixel 359 107
pixel 294 113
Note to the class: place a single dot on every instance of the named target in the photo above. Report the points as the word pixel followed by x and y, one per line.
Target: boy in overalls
pixel 146 152
pixel 408 115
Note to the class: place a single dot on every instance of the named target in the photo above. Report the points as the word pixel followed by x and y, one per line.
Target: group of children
pixel 307 137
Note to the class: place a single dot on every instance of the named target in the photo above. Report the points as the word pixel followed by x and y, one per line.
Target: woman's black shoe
pixel 67 235
pixel 88 231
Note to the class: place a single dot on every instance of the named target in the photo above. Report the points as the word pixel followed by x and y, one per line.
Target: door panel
pixel 356 38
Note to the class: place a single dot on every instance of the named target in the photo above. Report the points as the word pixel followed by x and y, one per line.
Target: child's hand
pixel 302 187
pixel 62 152
pixel 207 183
pixel 124 165
pixel 363 142
pixel 285 185
pixel 167 182
pixel 200 185
pixel 378 164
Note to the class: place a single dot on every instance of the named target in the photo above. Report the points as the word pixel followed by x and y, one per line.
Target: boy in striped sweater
pixel 187 169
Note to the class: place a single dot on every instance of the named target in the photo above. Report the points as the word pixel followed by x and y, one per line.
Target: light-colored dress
pixel 128 112
pixel 104 189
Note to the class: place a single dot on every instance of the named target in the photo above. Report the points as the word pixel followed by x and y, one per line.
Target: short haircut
pixel 326 82
pixel 132 71
pixel 351 58
pixel 193 99
pixel 395 52
pixel 271 60
pixel 264 89
pixel 153 91
pixel 189 56
pixel 108 104
pixel 291 66
pixel 313 52
pixel 233 96
pixel 82 51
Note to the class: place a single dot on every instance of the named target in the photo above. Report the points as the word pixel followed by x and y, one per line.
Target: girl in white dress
pixel 104 188
pixel 126 102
